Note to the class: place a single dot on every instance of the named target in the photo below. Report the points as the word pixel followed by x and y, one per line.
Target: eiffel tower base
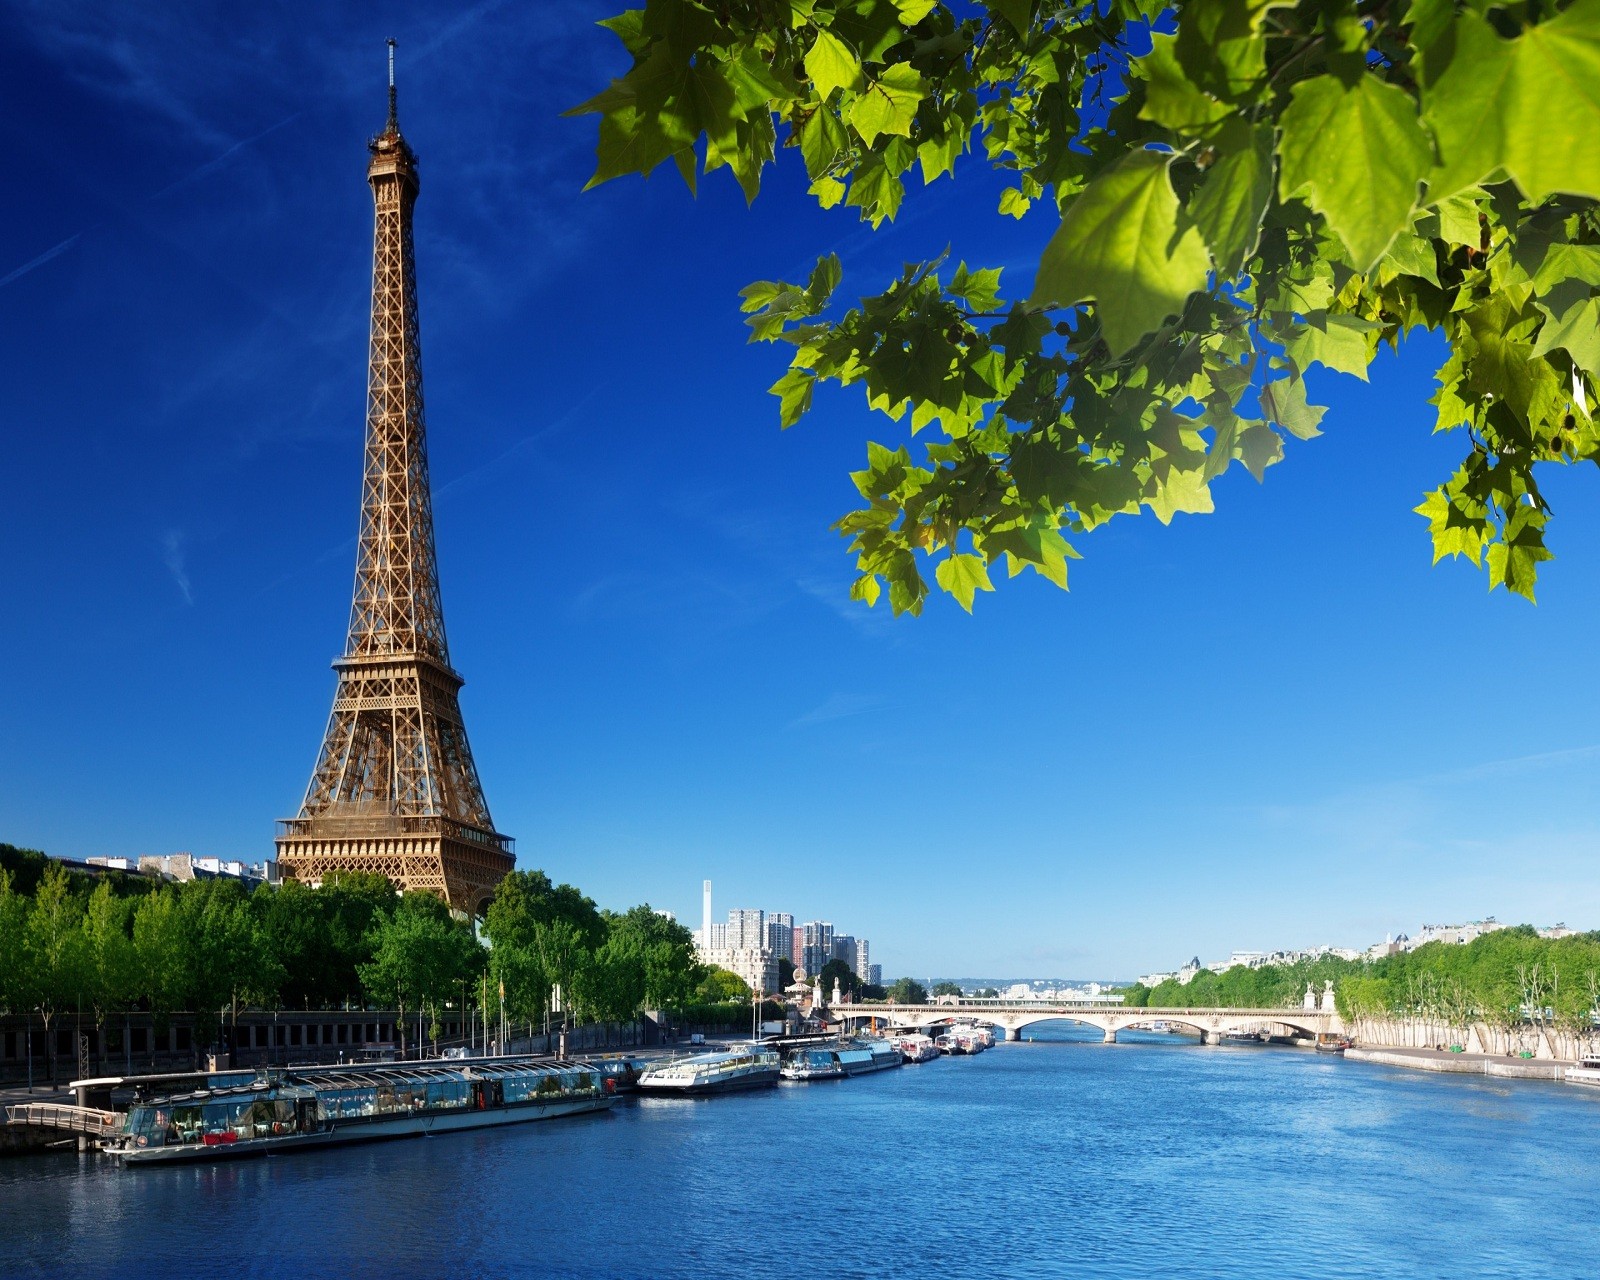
pixel 461 872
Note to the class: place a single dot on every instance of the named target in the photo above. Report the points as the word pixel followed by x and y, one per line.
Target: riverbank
pixel 1475 1064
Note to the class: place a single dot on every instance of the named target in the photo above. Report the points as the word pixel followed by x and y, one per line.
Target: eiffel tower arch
pixel 395 790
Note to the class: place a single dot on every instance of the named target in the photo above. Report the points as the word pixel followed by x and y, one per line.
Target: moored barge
pixel 281 1110
pixel 749 1068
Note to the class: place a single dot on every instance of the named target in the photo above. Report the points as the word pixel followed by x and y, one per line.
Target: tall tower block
pixel 395 790
pixel 705 914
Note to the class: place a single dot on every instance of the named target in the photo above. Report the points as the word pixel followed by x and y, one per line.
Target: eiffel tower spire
pixel 395 789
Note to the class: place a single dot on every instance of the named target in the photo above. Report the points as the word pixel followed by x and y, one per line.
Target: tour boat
pixel 960 1040
pixel 866 1054
pixel 974 1038
pixel 286 1110
pixel 1327 1043
pixel 1586 1072
pixel 748 1068
pixel 916 1048
pixel 811 1064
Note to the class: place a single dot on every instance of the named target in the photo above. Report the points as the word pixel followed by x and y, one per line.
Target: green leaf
pixel 1259 447
pixel 889 103
pixel 1013 202
pixel 1453 534
pixel 876 190
pixel 1578 333
pixel 1338 341
pixel 980 290
pixel 822 138
pixel 938 154
pixel 1125 243
pixel 1528 106
pixel 1231 201
pixel 1358 153
pixel 831 64
pixel 963 576
pixel 1170 97
pixel 913 11
pixel 1019 13
pixel 1514 560
pixel 1220 44
pixel 1564 262
pixel 1185 490
pixel 1284 402
pixel 1410 255
pixel 865 588
pixel 1037 545
pixel 1458 218
pixel 794 395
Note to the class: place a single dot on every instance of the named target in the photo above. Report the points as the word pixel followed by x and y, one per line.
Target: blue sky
pixel 1271 726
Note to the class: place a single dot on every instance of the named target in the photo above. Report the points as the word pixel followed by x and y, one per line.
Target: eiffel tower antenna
pixel 394 115
pixel 395 790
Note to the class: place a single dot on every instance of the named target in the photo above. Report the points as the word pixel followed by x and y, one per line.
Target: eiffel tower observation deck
pixel 395 790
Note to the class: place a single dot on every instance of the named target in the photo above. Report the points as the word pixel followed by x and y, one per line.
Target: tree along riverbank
pixel 80 952
pixel 1506 992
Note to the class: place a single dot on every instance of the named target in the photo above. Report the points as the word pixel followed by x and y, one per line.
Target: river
pixel 1056 1157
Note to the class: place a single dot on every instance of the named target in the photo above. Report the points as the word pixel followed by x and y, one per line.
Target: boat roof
pixel 719 1056
pixel 431 1068
pixel 306 1081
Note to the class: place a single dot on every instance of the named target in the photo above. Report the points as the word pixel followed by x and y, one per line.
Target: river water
pixel 1058 1157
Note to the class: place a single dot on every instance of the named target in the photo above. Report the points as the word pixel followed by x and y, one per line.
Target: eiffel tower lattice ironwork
pixel 395 790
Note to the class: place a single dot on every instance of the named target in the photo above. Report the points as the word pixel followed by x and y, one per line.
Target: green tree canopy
pixel 111 972
pixel 57 958
pixel 422 956
pixel 722 987
pixel 946 989
pixel 15 962
pixel 908 991
pixel 1244 188
pixel 836 971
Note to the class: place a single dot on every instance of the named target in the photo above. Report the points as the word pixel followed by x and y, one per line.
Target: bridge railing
pixel 1156 1013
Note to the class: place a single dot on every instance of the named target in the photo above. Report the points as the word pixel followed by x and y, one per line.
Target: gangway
pixel 89 1121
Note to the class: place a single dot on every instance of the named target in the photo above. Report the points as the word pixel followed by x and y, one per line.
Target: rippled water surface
pixel 1052 1158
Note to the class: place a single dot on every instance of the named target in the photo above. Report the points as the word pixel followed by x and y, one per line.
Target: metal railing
pixel 56 1115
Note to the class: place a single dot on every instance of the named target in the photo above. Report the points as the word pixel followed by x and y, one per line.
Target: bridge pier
pixel 1111 1035
pixel 1013 1033
pixel 1211 1037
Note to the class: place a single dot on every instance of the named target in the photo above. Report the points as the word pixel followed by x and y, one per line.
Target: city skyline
pixel 1257 728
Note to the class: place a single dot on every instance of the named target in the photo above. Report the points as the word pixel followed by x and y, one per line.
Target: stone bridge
pixel 1210 1024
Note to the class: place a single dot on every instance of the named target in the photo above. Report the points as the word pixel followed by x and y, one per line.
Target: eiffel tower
pixel 395 790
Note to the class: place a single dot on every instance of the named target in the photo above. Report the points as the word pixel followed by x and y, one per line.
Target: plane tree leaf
pixel 1357 153
pixel 1527 106
pixel 1126 244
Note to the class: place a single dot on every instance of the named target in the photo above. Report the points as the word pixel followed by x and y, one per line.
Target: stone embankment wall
pixel 1469 1064
pixel 1544 1043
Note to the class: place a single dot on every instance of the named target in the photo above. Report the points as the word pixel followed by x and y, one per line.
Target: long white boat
pixel 281 1111
pixel 1586 1072
pixel 748 1068
pixel 858 1056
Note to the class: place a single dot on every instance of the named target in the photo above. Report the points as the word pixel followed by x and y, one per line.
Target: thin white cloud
pixel 172 555
pixel 837 706
pixel 43 258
